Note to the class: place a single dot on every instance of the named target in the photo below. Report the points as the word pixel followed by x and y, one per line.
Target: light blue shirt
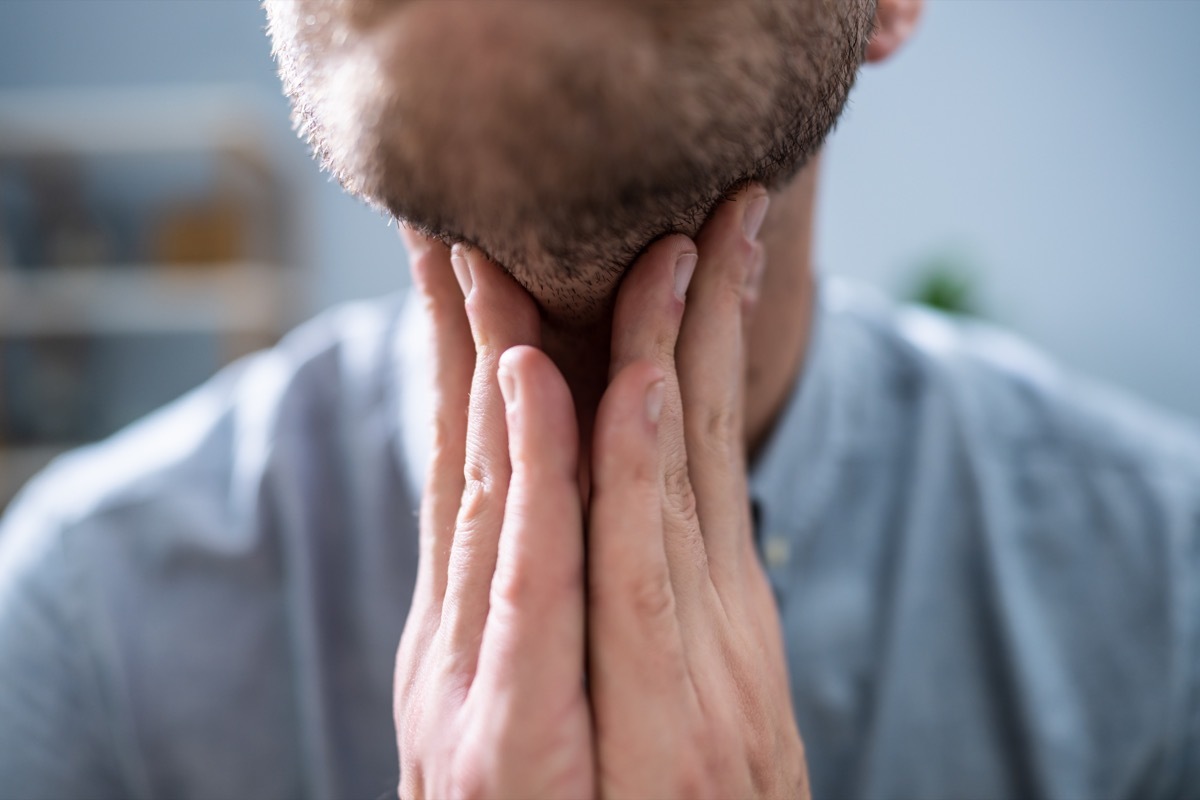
pixel 988 573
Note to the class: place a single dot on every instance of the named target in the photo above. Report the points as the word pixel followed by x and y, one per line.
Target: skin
pixel 590 617
pixel 687 691
pixel 562 138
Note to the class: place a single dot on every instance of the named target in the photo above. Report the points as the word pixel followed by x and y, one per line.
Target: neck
pixel 778 334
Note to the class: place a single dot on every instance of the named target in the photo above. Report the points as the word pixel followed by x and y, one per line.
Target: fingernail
pixel 508 387
pixel 462 268
pixel 654 401
pixel 685 267
pixel 755 273
pixel 756 212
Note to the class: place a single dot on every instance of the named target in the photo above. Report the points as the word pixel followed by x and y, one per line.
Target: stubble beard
pixel 562 147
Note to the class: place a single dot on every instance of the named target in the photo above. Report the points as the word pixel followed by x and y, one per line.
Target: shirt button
pixel 777 550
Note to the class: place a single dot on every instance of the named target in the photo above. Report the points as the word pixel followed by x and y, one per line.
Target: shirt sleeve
pixel 53 742
pixel 1190 753
pixel 1181 765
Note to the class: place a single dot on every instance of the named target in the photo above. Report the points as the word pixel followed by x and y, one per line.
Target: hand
pixel 489 691
pixel 688 681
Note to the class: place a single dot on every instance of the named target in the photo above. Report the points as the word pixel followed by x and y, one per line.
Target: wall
pixel 1055 145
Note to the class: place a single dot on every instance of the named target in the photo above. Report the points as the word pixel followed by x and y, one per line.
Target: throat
pixel 582 355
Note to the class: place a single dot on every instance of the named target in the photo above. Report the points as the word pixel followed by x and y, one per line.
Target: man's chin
pixel 576 308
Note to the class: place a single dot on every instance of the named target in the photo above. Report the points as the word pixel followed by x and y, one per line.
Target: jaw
pixel 561 139
pixel 558 138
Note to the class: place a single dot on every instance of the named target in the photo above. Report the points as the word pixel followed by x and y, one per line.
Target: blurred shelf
pixel 242 297
pixel 19 463
pixel 144 120
pixel 133 178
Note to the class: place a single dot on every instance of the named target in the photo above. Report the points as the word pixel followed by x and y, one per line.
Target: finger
pixel 650 305
pixel 649 308
pixel 636 649
pixel 711 362
pixel 453 354
pixel 533 642
pixel 501 315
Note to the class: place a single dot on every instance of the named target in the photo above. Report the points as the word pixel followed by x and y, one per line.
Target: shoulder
pixel 1000 395
pixel 200 505
pixel 1057 517
pixel 198 453
pixel 123 561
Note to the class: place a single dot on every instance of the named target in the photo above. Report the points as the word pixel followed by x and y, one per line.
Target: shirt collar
pixel 414 394
pixel 793 477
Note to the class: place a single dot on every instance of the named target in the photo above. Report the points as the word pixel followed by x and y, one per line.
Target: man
pixel 551 476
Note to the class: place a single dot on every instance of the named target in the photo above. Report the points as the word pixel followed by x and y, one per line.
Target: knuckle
pixel 479 498
pixel 479 515
pixel 474 471
pixel 677 485
pixel 718 430
pixel 643 473
pixel 651 597
pixel 512 585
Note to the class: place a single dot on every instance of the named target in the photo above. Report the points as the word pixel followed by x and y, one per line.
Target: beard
pixel 561 138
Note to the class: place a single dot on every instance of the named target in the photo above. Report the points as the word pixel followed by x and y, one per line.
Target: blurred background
pixel 1033 163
